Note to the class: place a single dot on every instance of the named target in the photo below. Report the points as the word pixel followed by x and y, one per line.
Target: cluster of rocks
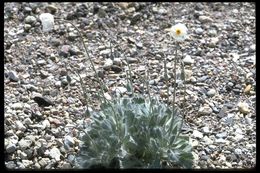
pixel 44 104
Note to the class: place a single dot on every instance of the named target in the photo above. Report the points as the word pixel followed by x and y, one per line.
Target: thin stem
pixel 166 78
pixel 88 56
pixel 148 89
pixel 184 101
pixel 128 72
pixel 184 84
pixel 175 75
pixel 174 92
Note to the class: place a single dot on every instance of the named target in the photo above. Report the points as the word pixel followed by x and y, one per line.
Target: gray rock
pixel 204 157
pixel 238 137
pixel 213 42
pixel 20 126
pixel 197 134
pixel 27 27
pixel 30 20
pixel 71 158
pixel 228 164
pixel 202 79
pixel 243 107
pixel 10 148
pixel 13 76
pixel 41 62
pixel 65 50
pixel 31 87
pixel 117 61
pixel 55 153
pixel 199 6
pixel 119 90
pixel 27 121
pixel 66 166
pixel 52 8
pixel 55 131
pixel 193 79
pixel 43 162
pixel 43 101
pixel 248 120
pixel 69 141
pixel 101 13
pixel 108 63
pixel 45 124
pixel 212 147
pixel 139 45
pixel 205 130
pixel 20 165
pixel 13 139
pixel 199 31
pixel 207 140
pixel 188 60
pixel 252 47
pixel 212 32
pixel 10 165
pixel 59 142
pixel 238 151
pixel 105 52
pixel 221 135
pixel 47 21
pixel 27 9
pixel 131 60
pixel 205 19
pixel 55 41
pixel 220 140
pixel 17 106
pixel 136 17
pixel 23 144
pixel 23 156
pixel 211 92
pixel 206 110
pixel 116 68
pixel 44 74
pixel 9 133
pixel 37 165
pixel 27 163
pixel 72 36
pixel 194 143
pixel 58 84
pixel 238 131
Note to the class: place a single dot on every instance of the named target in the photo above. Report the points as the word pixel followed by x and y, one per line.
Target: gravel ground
pixel 219 58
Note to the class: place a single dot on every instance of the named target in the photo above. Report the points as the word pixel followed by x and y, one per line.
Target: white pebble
pixel 17 106
pixel 20 126
pixel 211 92
pixel 197 134
pixel 47 20
pixel 55 153
pixel 188 60
pixel 243 107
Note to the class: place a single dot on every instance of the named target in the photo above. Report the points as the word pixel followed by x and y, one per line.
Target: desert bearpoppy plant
pixel 133 132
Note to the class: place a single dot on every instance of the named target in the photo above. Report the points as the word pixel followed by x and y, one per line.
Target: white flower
pixel 178 32
pixel 47 20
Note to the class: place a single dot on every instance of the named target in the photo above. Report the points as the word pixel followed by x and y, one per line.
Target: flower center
pixel 178 31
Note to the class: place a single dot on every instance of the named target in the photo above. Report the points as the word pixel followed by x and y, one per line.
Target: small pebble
pixel 243 107
pixel 211 92
pixel 188 60
pixel 55 153
pixel 11 148
pixel 197 134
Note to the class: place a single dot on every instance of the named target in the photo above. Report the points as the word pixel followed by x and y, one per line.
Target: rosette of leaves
pixel 134 133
